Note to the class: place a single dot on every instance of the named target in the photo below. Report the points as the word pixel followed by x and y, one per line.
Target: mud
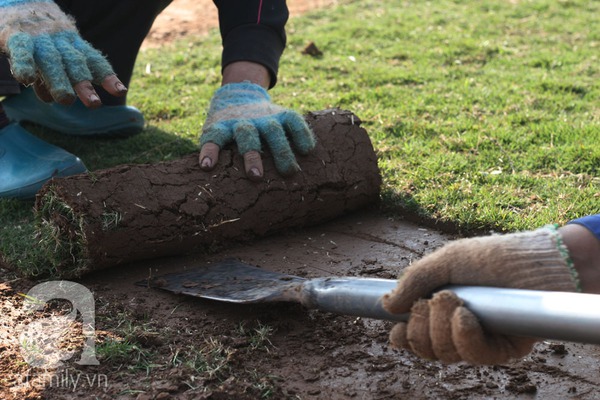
pixel 308 354
pixel 135 212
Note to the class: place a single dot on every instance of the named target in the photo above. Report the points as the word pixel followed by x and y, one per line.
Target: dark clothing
pixel 252 30
pixel 7 84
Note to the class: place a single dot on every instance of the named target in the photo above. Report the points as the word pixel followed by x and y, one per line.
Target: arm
pixel 253 31
pixel 240 71
pixel 582 238
pixel 241 111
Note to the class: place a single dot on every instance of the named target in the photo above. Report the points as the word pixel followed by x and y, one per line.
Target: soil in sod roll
pixel 136 212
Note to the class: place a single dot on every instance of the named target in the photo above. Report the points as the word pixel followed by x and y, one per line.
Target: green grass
pixel 484 115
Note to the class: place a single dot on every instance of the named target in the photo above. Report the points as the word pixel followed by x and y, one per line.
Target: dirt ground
pixel 182 347
pixel 156 345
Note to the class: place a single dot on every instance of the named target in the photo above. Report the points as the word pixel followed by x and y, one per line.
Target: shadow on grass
pixel 18 248
pixel 402 204
pixel 151 146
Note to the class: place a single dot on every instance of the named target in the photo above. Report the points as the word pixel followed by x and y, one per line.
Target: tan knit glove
pixel 441 328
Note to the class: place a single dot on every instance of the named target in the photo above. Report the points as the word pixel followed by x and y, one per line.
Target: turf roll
pixel 135 212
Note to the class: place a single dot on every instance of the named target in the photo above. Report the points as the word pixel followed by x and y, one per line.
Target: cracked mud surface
pixel 174 207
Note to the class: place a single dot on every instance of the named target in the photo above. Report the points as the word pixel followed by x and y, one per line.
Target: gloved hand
pixel 243 112
pixel 45 49
pixel 442 328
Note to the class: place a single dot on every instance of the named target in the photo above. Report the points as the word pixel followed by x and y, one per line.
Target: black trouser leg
pixel 7 84
pixel 115 27
pixel 3 118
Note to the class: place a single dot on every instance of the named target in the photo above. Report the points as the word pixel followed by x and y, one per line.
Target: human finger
pixel 253 165
pixel 423 277
pixel 53 71
pixel 285 161
pixel 441 309
pixel 98 65
pixel 212 140
pixel 247 139
pixel 209 156
pixel 113 85
pixel 398 337
pixel 477 346
pixel 73 60
pixel 417 332
pixel 87 94
pixel 22 64
pixel 414 283
pixel 300 133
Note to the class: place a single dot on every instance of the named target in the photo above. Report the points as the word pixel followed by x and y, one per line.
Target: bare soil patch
pixel 180 347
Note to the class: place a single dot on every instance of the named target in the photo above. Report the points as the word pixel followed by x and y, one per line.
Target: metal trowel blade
pixel 232 281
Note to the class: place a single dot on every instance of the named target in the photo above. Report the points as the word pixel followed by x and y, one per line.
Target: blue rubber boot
pixel 76 119
pixel 26 163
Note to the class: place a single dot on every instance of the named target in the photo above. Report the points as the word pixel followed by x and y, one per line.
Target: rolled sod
pixel 137 212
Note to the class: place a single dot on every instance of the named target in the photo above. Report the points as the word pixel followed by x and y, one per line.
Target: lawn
pixel 484 115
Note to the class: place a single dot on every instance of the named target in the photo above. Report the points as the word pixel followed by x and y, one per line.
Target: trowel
pixel 550 315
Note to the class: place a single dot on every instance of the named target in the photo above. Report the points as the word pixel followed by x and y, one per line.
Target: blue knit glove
pixel 42 43
pixel 243 112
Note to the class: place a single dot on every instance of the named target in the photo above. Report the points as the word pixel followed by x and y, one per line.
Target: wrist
pixel 584 250
pixel 241 71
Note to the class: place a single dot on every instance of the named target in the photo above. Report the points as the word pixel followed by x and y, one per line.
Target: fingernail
pixel 255 173
pixel 120 87
pixel 206 162
pixel 94 98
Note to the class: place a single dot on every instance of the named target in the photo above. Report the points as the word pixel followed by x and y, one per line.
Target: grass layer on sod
pixel 484 116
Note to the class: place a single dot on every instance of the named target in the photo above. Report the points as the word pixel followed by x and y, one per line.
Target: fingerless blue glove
pixel 243 112
pixel 42 43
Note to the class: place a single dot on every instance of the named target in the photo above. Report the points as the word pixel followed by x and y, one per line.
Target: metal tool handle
pixel 550 315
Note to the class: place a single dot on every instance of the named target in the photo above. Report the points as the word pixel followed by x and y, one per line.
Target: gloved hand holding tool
pixel 243 112
pixel 46 51
pixel 441 328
